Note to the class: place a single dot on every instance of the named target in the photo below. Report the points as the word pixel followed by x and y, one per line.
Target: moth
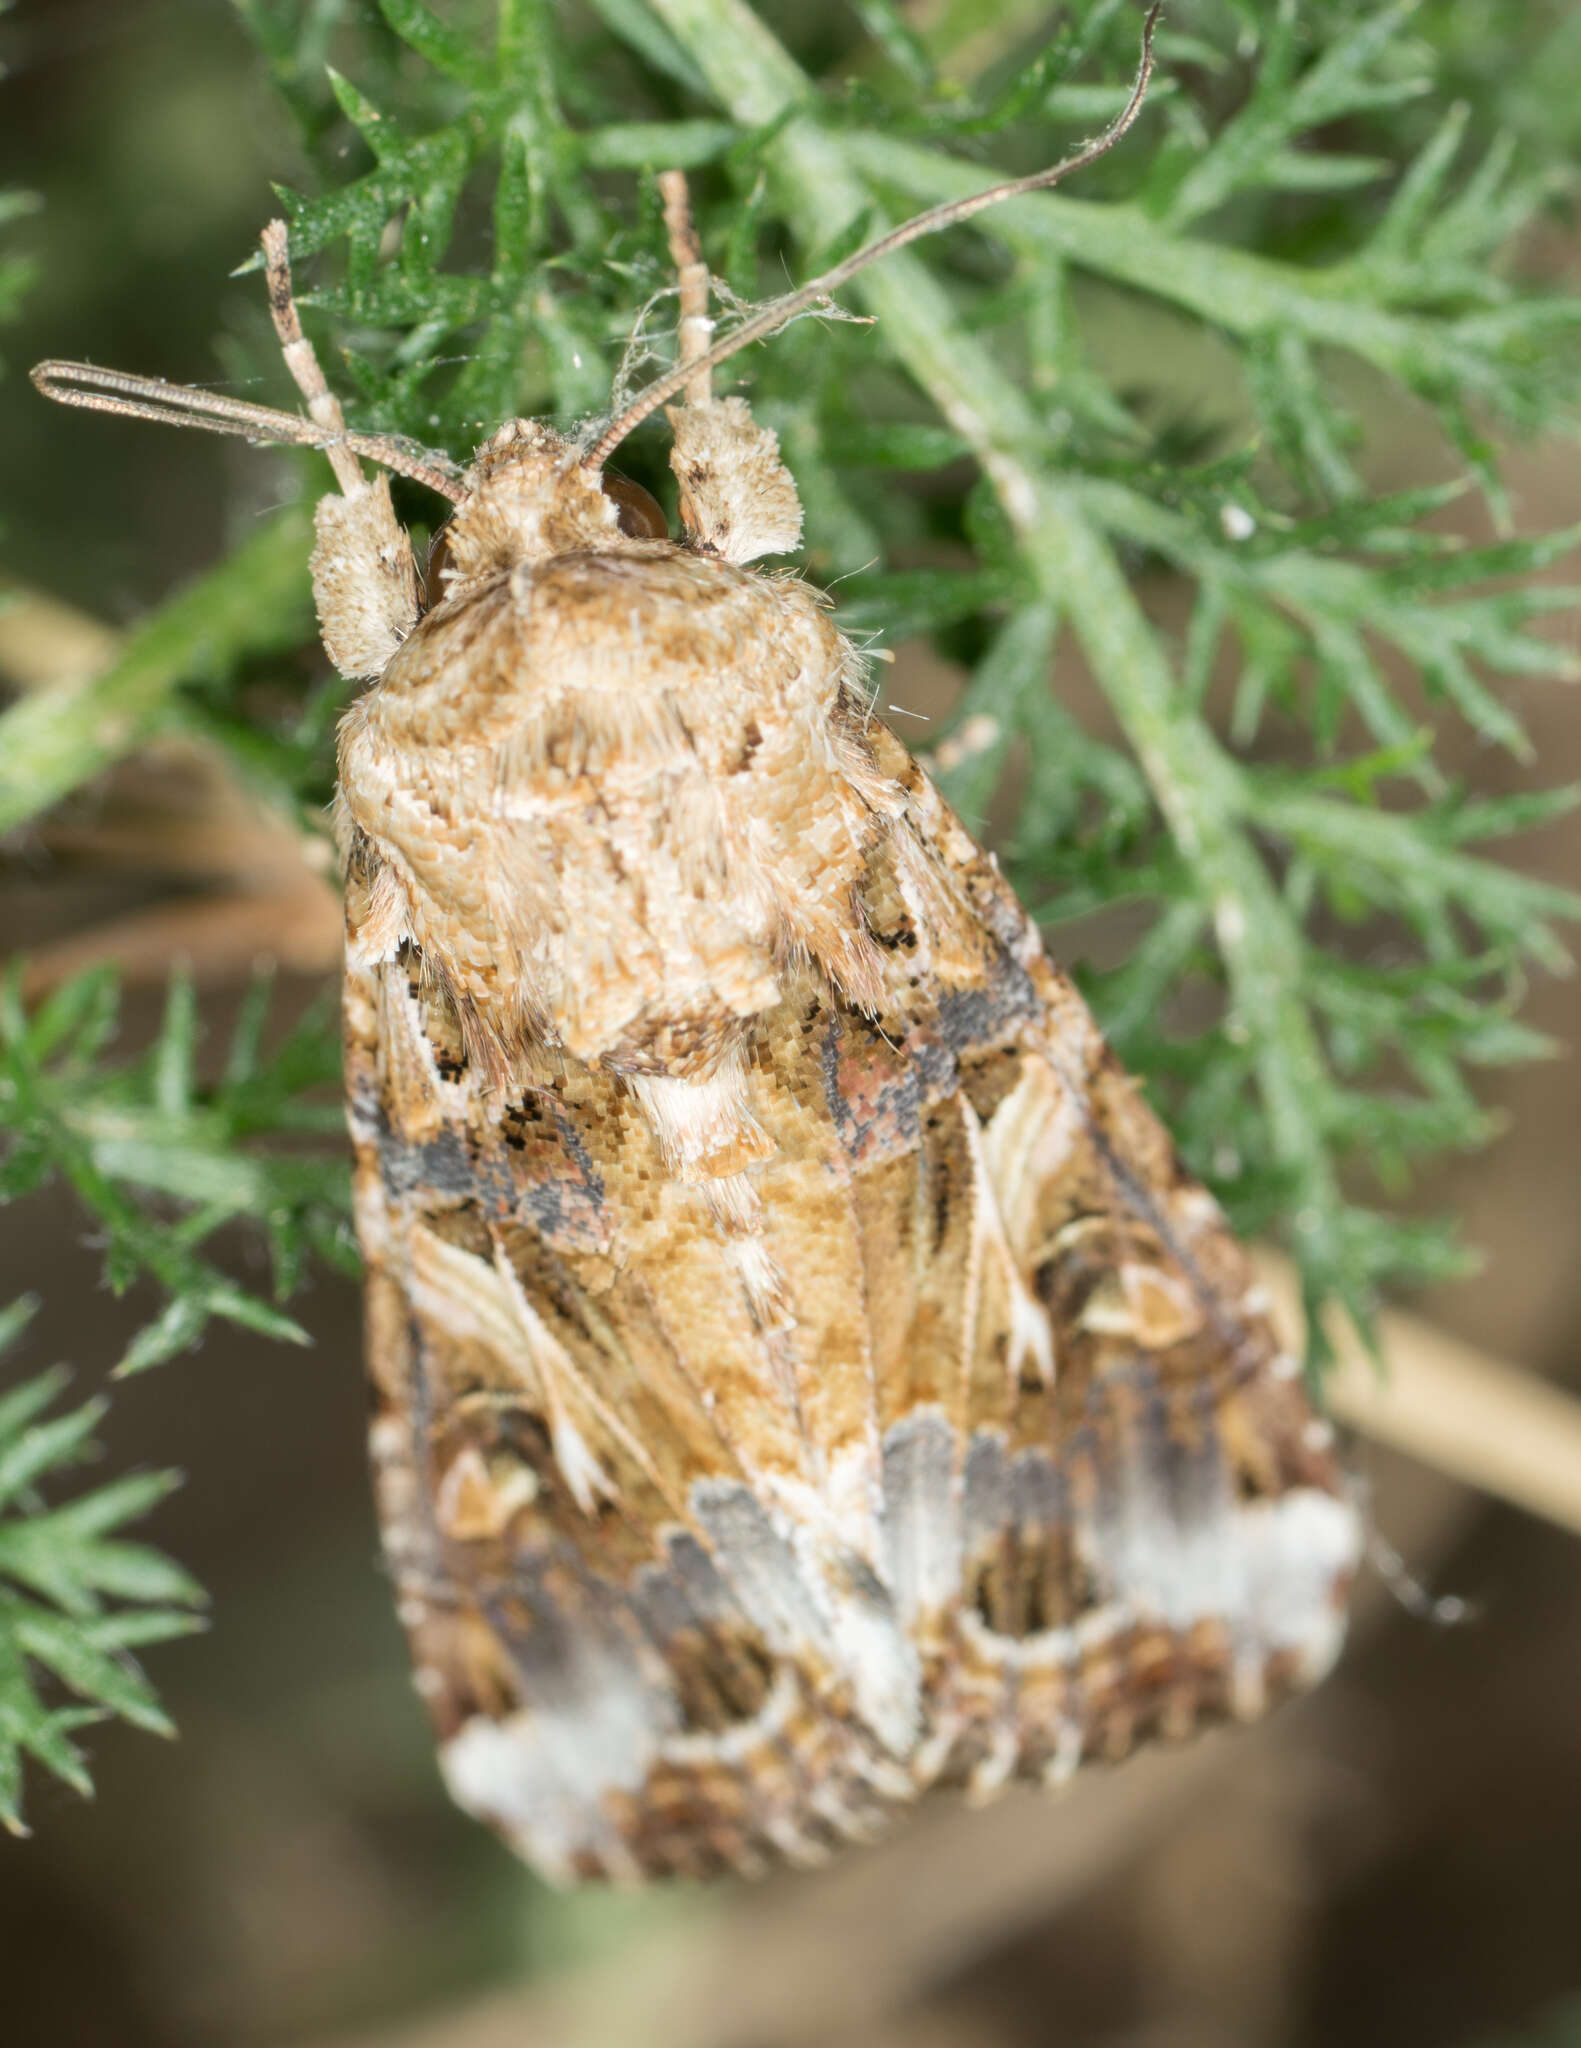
pixel 804 1373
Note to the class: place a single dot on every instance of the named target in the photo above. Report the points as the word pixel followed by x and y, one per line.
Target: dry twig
pixel 1490 1425
pixel 178 809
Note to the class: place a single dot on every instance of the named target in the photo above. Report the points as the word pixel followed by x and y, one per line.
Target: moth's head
pixel 529 496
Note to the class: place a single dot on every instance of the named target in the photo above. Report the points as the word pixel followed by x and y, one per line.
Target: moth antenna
pixel 949 213
pixel 426 466
pixel 302 361
pixel 686 253
pixel 170 405
pixel 93 389
pixel 186 405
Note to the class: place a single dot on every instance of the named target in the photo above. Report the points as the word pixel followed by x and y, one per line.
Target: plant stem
pixel 1490 1424
pixel 256 600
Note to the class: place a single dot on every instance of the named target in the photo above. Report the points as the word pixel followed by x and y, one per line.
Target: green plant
pixel 1307 200
pixel 162 1163
pixel 75 1597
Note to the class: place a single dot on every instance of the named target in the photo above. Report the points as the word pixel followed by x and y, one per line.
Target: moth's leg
pixel 364 579
pixel 737 497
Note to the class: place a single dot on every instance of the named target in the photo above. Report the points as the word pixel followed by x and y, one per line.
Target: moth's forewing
pixel 805 1372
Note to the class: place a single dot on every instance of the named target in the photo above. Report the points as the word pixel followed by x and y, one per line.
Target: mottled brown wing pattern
pixel 1122 1516
pixel 558 1498
pixel 806 1374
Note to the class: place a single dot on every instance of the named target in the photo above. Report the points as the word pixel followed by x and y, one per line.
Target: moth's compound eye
pixel 641 514
pixel 438 562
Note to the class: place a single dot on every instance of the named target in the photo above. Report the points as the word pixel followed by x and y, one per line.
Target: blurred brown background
pixel 1396 1861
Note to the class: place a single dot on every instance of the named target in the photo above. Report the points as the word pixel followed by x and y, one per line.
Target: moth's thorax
pixel 616 769
pixel 529 498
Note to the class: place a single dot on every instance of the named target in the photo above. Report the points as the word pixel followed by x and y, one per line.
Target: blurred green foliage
pixel 1559 2027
